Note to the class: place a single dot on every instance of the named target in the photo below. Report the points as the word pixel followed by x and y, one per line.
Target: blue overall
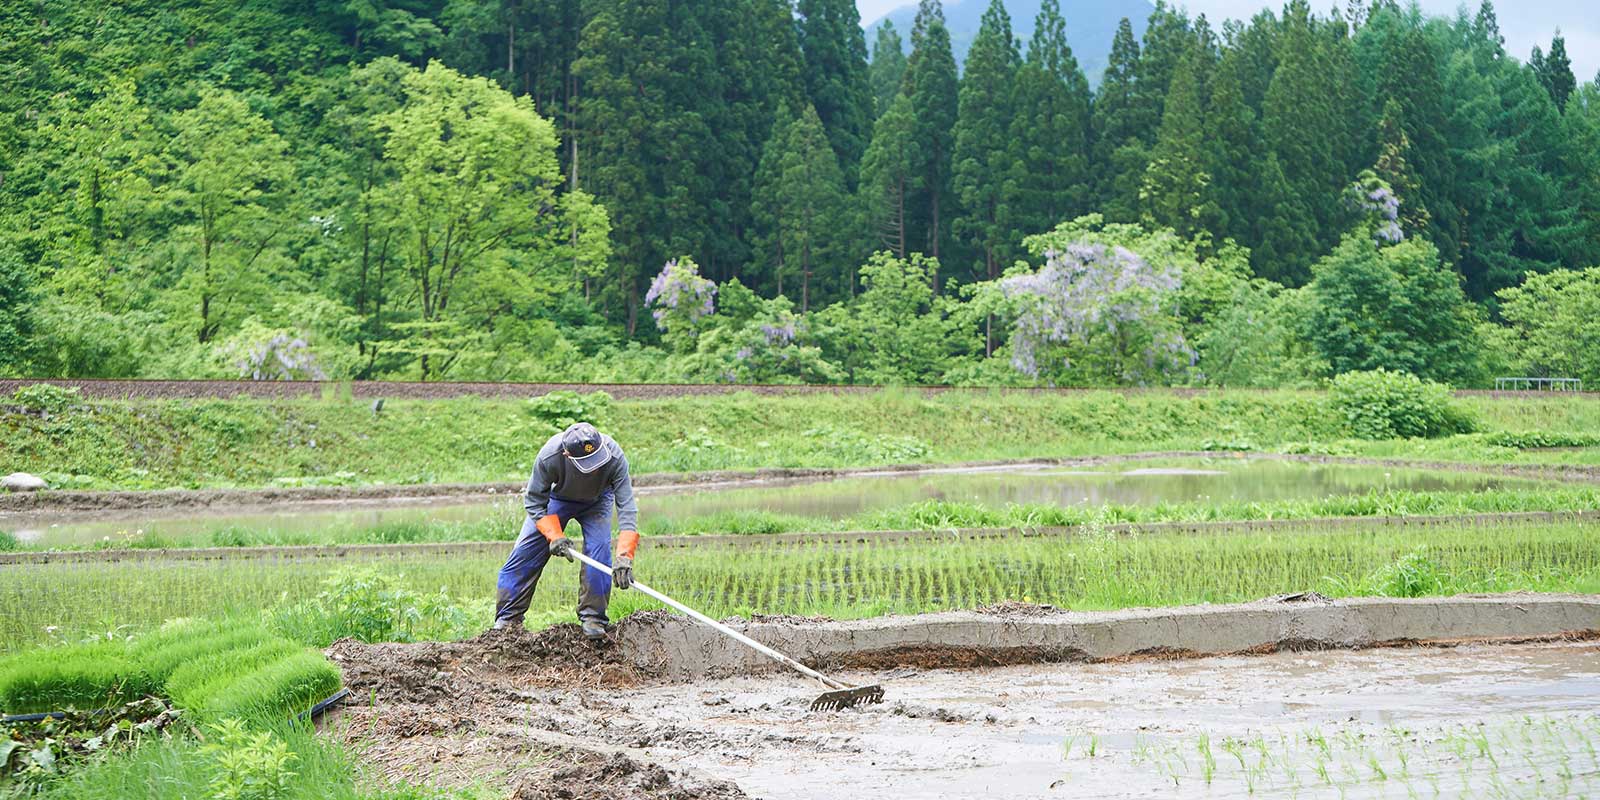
pixel 519 576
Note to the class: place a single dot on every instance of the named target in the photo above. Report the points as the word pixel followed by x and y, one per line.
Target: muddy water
pixel 1432 723
pixel 1215 480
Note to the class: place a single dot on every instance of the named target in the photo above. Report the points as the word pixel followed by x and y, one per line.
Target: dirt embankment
pixel 433 390
pixel 549 715
pixel 437 390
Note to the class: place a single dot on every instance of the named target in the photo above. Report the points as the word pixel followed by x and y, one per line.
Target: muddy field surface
pixel 459 714
pixel 553 715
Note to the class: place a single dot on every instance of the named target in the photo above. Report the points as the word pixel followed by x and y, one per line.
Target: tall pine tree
pixel 800 202
pixel 888 68
pixel 889 178
pixel 1555 72
pixel 835 51
pixel 982 159
pixel 640 151
pixel 1299 118
pixel 1118 125
pixel 1050 131
pixel 932 86
pixel 1174 193
pixel 1167 38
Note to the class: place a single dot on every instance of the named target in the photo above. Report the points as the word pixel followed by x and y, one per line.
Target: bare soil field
pixel 1021 701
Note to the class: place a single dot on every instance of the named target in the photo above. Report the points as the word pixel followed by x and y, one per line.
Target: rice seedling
pixel 842 580
pixel 212 669
pixel 1548 756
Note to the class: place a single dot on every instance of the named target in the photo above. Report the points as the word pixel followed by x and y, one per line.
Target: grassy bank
pixel 287 763
pixel 151 444
pixel 38 602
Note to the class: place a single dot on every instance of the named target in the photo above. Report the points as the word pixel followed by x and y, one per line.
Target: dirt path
pixel 433 390
pixel 550 715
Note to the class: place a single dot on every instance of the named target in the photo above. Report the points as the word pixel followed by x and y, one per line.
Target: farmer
pixel 580 475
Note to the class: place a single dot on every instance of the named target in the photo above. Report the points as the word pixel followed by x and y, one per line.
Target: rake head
pixel 846 698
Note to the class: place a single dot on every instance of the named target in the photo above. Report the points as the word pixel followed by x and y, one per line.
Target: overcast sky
pixel 1525 23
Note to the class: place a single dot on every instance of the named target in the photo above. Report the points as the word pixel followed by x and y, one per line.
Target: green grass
pixel 1091 571
pixel 180 768
pixel 152 444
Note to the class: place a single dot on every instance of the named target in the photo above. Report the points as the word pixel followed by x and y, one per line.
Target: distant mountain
pixel 1090 26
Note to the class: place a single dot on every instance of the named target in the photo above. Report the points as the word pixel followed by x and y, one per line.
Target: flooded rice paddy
pixel 1211 480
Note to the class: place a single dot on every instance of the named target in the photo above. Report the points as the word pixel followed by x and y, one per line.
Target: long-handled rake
pixel 842 696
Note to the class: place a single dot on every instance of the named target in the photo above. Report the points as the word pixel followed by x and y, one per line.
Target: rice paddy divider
pixel 1310 525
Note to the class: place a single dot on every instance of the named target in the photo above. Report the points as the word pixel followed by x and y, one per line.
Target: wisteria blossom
pixel 280 358
pixel 1107 302
pixel 680 289
pixel 781 333
pixel 1375 197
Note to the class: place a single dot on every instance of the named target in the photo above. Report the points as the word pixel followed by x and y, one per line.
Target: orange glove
pixel 550 526
pixel 622 566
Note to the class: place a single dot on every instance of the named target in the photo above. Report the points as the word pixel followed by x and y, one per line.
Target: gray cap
pixel 584 447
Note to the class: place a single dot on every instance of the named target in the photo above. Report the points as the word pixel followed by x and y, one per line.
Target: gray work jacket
pixel 554 476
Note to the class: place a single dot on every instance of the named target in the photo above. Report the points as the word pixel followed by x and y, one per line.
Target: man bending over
pixel 580 475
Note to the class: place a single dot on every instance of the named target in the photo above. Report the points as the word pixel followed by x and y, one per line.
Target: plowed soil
pixel 462 713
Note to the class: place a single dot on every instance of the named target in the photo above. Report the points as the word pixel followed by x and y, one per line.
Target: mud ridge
pixel 678 649
pixel 657 646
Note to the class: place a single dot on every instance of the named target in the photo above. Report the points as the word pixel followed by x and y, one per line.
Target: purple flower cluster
pixel 680 287
pixel 280 358
pixel 780 334
pixel 1373 196
pixel 1087 289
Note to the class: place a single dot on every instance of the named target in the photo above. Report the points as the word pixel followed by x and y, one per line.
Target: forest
pixel 744 191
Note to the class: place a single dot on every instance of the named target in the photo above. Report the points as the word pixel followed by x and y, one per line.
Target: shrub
pixel 83 676
pixel 8 541
pixel 364 604
pixel 561 409
pixel 45 397
pixel 246 765
pixel 1412 575
pixel 1380 404
pixel 876 449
